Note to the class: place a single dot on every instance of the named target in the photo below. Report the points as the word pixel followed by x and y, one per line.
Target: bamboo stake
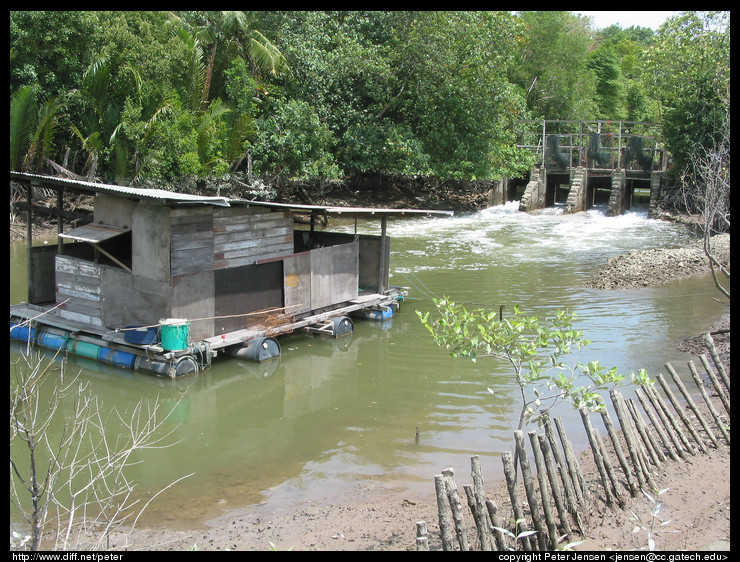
pixel 552 528
pixel 534 508
pixel 715 357
pixel 568 485
pixel 557 491
pixel 708 402
pixel 657 425
pixel 671 419
pixel 443 511
pixel 597 454
pixel 479 495
pixel 681 411
pixel 573 466
pixel 496 522
pixel 715 383
pixel 520 520
pixel 650 446
pixel 637 452
pixel 456 507
pixel 628 437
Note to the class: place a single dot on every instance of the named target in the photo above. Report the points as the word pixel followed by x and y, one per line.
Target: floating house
pixel 164 282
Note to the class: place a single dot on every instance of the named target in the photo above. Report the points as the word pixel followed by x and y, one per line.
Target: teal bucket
pixel 173 334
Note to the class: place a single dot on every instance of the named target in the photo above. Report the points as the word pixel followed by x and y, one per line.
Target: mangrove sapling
pixel 654 523
pixel 537 349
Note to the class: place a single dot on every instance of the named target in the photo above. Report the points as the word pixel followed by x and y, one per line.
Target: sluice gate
pixel 580 164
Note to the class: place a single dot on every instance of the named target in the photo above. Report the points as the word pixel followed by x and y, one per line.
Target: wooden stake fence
pixel 557 497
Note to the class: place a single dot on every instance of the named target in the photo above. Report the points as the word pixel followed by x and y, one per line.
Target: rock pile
pixel 657 267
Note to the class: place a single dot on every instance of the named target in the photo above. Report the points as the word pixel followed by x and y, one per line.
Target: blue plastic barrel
pixel 51 341
pixel 21 333
pixel 117 357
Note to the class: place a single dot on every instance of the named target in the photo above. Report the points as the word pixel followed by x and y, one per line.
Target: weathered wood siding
pixel 243 237
pixel 334 271
pixel 78 282
pixel 191 241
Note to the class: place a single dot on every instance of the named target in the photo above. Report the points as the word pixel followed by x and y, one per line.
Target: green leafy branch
pixel 536 348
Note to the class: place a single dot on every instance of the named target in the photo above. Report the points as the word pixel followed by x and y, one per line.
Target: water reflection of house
pixel 163 282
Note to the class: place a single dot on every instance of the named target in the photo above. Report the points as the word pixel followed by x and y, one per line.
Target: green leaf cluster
pixel 541 352
pixel 156 95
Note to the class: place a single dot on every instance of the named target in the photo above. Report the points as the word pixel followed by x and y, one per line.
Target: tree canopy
pixel 134 96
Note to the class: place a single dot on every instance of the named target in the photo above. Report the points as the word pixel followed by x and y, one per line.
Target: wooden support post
pixel 677 406
pixel 569 486
pixel 534 507
pixel 496 522
pixel 642 430
pixel 707 400
pixel 715 357
pixel 690 401
pixel 618 402
pixel 422 537
pixel 719 391
pixel 520 521
pixel 479 498
pixel 672 429
pixel 443 512
pixel 573 467
pixel 557 492
pixel 598 456
pixel 552 529
pixel 657 426
pixel 456 508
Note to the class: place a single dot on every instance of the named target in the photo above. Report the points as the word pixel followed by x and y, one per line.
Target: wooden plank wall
pixel 79 283
pixel 191 241
pixel 243 239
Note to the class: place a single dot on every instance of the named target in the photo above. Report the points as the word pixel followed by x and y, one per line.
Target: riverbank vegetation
pixel 145 98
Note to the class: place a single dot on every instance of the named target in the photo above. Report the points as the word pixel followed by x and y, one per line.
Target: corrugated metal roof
pixel 185 198
pixel 121 191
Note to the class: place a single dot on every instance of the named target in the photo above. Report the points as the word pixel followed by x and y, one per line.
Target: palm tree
pixel 230 34
pixel 32 129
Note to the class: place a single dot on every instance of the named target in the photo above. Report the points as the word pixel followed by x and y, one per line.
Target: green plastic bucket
pixel 173 334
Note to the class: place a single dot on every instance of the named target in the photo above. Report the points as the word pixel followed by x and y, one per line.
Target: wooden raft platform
pixel 197 355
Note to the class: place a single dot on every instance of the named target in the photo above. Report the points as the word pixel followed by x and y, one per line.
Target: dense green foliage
pixel 134 96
